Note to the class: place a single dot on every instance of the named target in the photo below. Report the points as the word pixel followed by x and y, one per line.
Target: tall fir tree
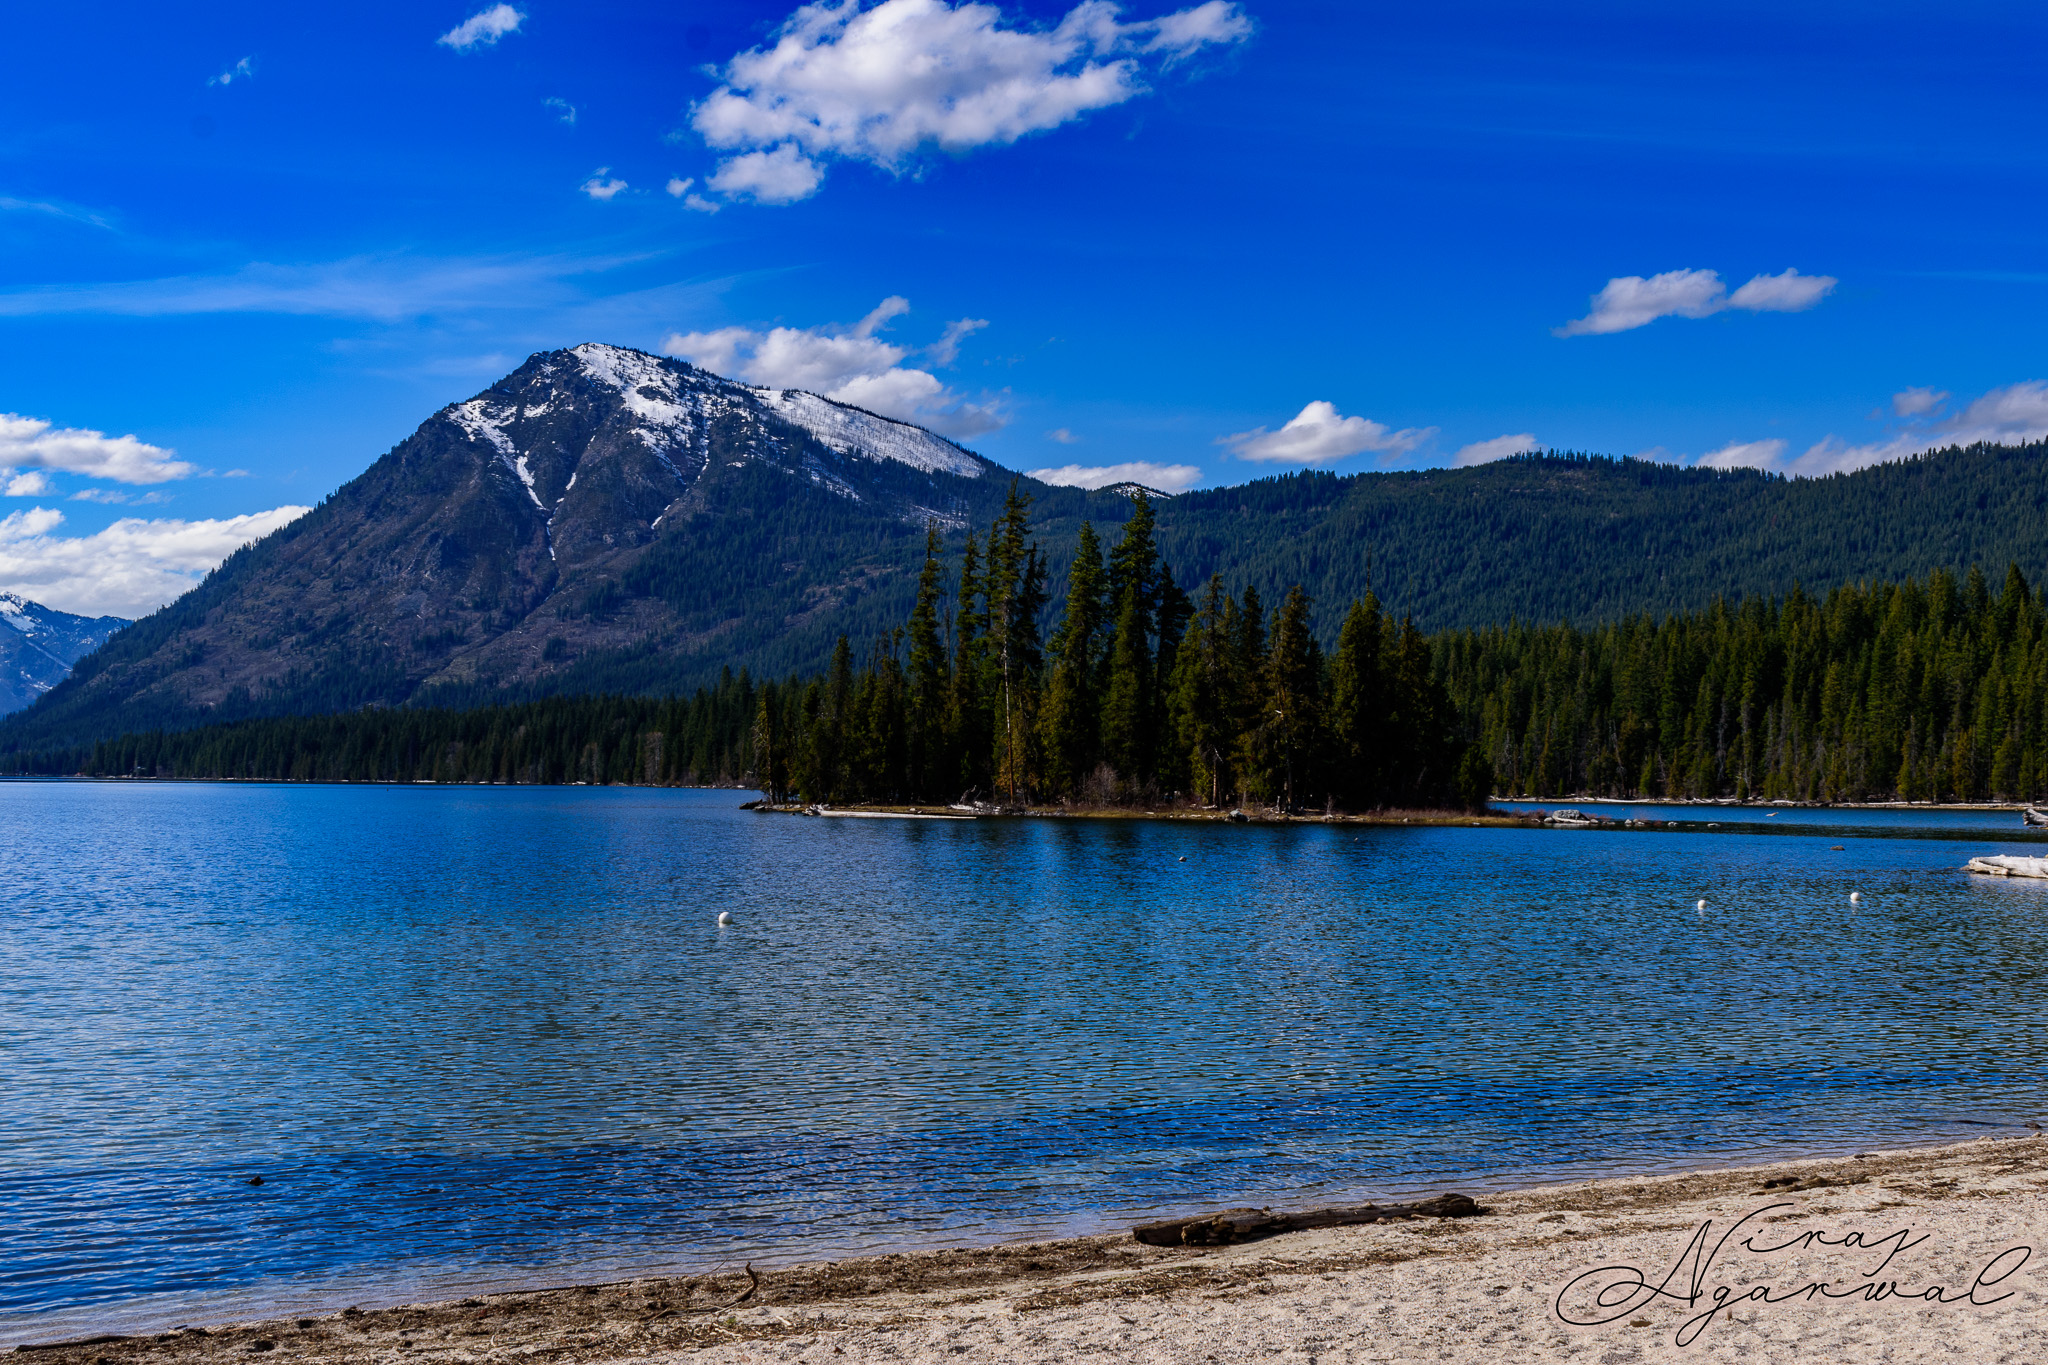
pixel 1072 716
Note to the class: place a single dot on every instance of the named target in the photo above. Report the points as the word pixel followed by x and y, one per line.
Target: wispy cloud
pixel 1499 448
pixel 849 364
pixel 129 569
pixel 679 188
pixel 483 29
pixel 1766 454
pixel 1167 478
pixel 603 186
pixel 240 71
pixel 1063 436
pixel 882 85
pixel 2012 415
pixel 386 289
pixel 32 443
pixel 1318 434
pixel 48 209
pixel 1630 301
pixel 120 497
pixel 946 349
pixel 563 109
pixel 1917 402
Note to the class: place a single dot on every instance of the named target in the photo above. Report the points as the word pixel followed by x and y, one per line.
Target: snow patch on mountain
pixel 481 426
pixel 854 431
pixel 648 388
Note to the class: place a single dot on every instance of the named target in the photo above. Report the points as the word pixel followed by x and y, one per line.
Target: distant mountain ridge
pixel 39 645
pixel 603 519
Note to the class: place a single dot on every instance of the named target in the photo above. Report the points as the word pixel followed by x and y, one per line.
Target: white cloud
pixel 946 349
pixel 31 443
pixel 482 30
pixel 33 484
pixel 849 365
pixel 1062 435
pixel 386 289
pixel 1630 301
pixel 1786 292
pixel 1167 478
pixel 240 71
pixel 881 85
pixel 1916 402
pixel 129 569
pixel 2012 415
pixel 1318 435
pixel 1767 454
pixel 603 186
pixel 8 204
pixel 679 188
pixel 1499 448
pixel 120 497
pixel 563 109
pixel 782 175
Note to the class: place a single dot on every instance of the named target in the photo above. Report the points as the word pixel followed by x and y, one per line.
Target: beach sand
pixel 1467 1290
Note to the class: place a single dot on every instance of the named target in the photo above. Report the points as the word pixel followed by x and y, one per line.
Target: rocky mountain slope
pixel 39 644
pixel 600 518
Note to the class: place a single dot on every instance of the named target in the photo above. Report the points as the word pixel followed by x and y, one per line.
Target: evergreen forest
pixel 1930 689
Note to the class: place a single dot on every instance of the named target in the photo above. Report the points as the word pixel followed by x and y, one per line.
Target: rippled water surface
pixel 496 1036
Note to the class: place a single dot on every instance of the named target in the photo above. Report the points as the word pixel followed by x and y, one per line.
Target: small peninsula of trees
pixel 1140 694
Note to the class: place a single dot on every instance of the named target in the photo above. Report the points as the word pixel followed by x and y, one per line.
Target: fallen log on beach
pixel 1250 1225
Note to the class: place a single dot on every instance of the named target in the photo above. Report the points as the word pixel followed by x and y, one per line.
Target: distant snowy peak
pixel 39 645
pixel 855 431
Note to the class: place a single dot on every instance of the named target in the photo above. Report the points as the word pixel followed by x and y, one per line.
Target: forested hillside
pixel 1927 690
pixel 1550 538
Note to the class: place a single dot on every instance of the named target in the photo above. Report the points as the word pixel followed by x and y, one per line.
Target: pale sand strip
pixel 1474 1290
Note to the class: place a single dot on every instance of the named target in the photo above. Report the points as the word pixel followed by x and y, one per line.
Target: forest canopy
pixel 1933 689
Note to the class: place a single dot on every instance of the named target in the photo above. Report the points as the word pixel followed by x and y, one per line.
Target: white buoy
pixel 1855 898
pixel 724 918
pixel 1703 905
pixel 1183 857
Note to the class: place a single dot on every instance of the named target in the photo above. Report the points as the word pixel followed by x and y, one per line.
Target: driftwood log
pixel 1249 1225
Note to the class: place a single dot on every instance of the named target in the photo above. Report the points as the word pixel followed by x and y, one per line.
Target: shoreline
pixel 1466 1289
pixel 989 810
pixel 1496 816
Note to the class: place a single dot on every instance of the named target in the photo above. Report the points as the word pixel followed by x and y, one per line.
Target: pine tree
pixel 1294 701
pixel 1127 699
pixel 930 767
pixel 1013 588
pixel 1072 715
pixel 1358 712
pixel 1201 712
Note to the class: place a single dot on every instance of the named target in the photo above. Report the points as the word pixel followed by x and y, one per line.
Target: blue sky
pixel 1216 241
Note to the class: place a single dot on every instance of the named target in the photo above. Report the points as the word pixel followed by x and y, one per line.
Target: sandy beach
pixel 1926 1254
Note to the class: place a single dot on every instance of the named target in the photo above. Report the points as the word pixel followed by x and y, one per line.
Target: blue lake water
pixel 495 1036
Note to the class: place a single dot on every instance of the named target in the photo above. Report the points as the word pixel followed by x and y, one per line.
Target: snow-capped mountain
pixel 39 644
pixel 599 518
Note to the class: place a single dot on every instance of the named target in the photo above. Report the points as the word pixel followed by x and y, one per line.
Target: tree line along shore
pixel 1143 694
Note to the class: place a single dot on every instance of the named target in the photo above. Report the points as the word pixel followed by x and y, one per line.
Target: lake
pixel 496 1036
